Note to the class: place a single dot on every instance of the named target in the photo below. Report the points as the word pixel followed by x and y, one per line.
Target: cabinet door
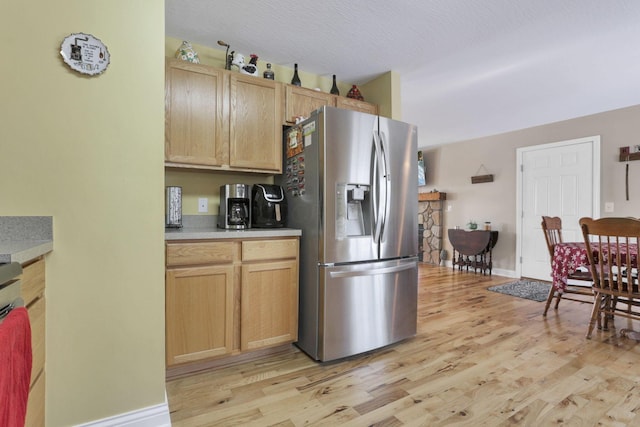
pixel 269 312
pixel 196 122
pixel 302 102
pixel 33 284
pixel 255 135
pixel 199 313
pixel 354 104
pixel 35 404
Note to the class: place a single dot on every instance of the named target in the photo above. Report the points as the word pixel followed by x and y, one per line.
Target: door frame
pixel 595 152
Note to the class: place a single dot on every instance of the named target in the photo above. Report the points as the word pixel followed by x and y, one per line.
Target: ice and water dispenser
pixel 353 210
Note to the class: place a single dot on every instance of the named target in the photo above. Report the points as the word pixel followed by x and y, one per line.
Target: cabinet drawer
pixel 199 253
pixel 32 281
pixel 257 250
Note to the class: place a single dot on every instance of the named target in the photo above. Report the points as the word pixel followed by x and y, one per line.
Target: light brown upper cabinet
pixel 196 118
pixel 354 104
pixel 255 123
pixel 302 102
pixel 222 120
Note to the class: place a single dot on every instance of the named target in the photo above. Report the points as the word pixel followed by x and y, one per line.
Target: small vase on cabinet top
pixel 354 93
pixel 186 53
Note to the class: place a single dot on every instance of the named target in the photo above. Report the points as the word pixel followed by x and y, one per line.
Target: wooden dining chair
pixel 612 249
pixel 579 283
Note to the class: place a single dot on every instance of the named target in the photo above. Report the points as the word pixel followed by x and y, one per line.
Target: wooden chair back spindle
pixel 552 227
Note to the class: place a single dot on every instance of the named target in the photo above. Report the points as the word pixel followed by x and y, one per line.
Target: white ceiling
pixel 468 68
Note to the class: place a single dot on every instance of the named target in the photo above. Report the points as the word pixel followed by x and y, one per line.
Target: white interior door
pixel 559 179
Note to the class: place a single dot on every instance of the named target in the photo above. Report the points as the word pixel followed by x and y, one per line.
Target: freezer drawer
pixel 366 306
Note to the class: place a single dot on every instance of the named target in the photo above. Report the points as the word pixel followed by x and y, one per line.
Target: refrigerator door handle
pixel 378 187
pixel 372 272
pixel 386 183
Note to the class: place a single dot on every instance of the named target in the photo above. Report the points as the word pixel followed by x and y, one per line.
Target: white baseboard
pixel 502 272
pixel 496 271
pixel 151 416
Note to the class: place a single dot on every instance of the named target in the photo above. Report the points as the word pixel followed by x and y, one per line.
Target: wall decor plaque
pixel 85 53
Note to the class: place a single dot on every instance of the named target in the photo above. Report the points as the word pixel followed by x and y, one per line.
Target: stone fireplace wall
pixel 430 217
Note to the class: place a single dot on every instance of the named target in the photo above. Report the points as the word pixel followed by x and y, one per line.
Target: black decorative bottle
pixel 296 79
pixel 334 88
pixel 268 73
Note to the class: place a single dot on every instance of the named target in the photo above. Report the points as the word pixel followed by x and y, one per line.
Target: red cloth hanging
pixel 15 367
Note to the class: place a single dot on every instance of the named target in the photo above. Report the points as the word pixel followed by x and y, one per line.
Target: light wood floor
pixel 480 359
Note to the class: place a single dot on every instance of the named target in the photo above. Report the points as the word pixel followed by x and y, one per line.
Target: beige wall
pixel 450 168
pixel 385 91
pixel 89 152
pixel 197 184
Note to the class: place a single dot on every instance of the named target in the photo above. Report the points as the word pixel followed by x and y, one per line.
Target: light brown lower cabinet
pixel 229 297
pixel 199 312
pixel 269 304
pixel 32 286
pixel 35 405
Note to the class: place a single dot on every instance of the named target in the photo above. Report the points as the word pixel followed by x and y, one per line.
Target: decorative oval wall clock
pixel 85 53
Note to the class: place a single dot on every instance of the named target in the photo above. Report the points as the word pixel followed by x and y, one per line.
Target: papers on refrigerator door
pixel 307 132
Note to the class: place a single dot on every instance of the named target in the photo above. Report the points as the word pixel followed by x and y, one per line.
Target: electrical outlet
pixel 203 204
pixel 608 207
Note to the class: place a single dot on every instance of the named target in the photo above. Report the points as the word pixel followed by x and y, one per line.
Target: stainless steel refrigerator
pixel 351 185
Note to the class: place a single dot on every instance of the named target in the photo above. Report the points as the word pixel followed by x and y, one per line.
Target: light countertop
pixel 205 227
pixel 23 238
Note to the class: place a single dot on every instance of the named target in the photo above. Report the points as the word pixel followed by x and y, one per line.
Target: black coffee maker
pixel 235 206
pixel 268 206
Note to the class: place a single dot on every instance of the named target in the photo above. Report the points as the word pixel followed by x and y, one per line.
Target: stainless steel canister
pixel 174 207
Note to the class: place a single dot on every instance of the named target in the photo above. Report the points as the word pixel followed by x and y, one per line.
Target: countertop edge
pixel 202 234
pixel 24 251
